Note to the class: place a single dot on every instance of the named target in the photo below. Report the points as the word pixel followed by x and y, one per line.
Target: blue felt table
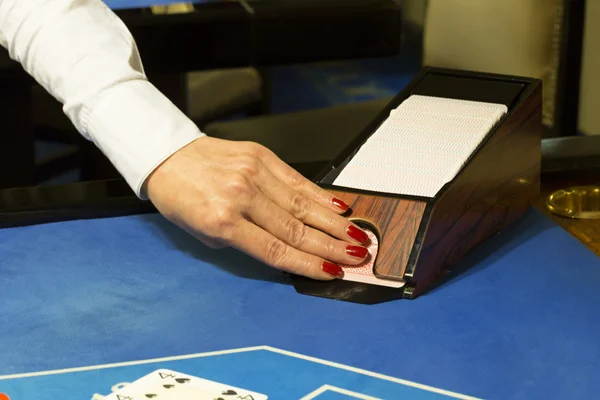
pixel 520 320
pixel 122 4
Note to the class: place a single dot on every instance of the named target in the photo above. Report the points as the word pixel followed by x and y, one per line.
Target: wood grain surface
pixel 396 220
pixel 495 188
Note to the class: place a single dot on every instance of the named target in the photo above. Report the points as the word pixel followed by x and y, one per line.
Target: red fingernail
pixel 332 269
pixel 357 251
pixel 340 204
pixel 357 234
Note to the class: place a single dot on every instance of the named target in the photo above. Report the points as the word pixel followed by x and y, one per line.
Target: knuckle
pixel 296 179
pixel 238 185
pixel 249 166
pixel 331 246
pixel 221 222
pixel 300 206
pixel 296 232
pixel 276 252
pixel 254 149
pixel 333 222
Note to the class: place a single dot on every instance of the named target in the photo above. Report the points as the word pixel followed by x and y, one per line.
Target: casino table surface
pixel 89 304
pixel 128 4
pixel 122 4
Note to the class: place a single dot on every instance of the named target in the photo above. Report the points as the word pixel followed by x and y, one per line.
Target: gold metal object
pixel 582 202
pixel 173 8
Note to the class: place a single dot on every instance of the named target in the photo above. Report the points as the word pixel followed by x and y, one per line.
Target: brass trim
pixel 580 202
pixel 173 8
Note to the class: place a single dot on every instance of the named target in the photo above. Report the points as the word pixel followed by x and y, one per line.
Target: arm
pixel 223 193
pixel 83 55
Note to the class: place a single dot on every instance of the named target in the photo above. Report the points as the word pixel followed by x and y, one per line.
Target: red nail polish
pixel 340 204
pixel 357 251
pixel 357 234
pixel 332 269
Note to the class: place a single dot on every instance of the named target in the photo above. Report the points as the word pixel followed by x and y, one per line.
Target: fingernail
pixel 357 251
pixel 357 234
pixel 340 204
pixel 332 269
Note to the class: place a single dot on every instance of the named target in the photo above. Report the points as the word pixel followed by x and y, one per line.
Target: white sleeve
pixel 83 55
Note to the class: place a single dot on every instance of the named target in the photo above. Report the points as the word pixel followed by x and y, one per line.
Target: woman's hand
pixel 240 194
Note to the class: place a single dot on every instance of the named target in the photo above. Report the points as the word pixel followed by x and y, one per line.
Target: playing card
pixel 165 384
pixel 364 272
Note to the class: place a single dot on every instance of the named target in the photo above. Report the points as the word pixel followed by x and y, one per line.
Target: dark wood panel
pixel 498 184
pixel 265 33
pixel 288 32
pixel 43 204
pixel 396 222
pixel 17 164
pixel 229 34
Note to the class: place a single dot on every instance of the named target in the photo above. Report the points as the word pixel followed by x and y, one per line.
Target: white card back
pixel 421 146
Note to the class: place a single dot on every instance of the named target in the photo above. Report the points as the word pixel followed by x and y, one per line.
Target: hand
pixel 240 194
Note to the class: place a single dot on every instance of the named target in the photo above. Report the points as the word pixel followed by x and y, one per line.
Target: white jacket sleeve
pixel 83 55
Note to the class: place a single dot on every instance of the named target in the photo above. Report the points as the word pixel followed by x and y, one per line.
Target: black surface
pixel 346 291
pixel 56 164
pixel 93 163
pixel 45 204
pixel 288 32
pixel 217 35
pixel 465 88
pixel 16 135
pixel 566 113
pixel 571 154
pixel 265 33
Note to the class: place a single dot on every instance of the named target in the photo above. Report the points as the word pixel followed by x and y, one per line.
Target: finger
pixel 265 247
pixel 295 233
pixel 310 212
pixel 299 183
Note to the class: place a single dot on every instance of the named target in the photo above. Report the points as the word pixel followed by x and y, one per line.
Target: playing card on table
pixel 165 384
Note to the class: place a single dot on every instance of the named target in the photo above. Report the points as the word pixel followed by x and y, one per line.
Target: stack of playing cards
pixel 363 272
pixel 421 146
pixel 164 384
